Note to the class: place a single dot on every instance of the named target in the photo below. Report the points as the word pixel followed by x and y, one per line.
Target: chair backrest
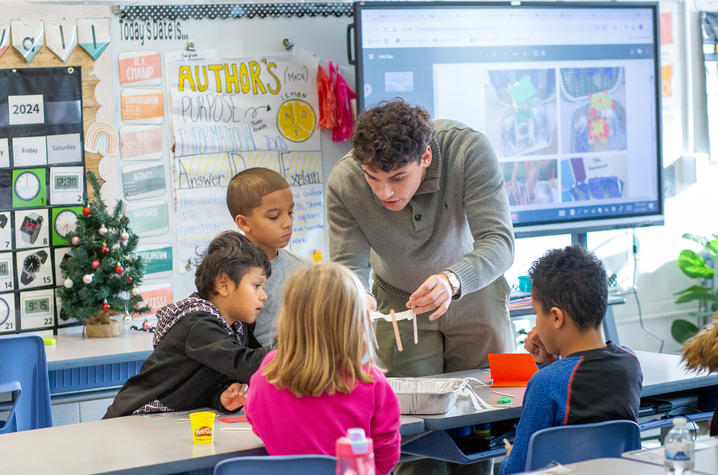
pixel 23 374
pixel 279 465
pixel 574 443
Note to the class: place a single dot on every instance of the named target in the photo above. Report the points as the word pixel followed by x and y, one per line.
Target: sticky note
pixel 511 369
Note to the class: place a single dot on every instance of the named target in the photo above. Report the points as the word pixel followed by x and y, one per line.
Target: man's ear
pixel 558 317
pixel 222 285
pixel 242 223
pixel 426 158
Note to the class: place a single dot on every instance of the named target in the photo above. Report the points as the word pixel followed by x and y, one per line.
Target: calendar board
pixel 42 169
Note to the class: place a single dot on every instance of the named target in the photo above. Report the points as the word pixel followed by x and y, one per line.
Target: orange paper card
pixel 230 419
pixel 511 369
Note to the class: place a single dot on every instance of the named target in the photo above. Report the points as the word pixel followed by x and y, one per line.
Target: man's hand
pixel 535 347
pixel 233 397
pixel 433 294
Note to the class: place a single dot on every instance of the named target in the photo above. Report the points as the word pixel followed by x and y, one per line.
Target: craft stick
pixel 396 330
pixel 373 334
pixel 416 333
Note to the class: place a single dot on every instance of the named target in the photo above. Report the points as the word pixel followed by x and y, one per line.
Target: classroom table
pixel 603 466
pixel 77 364
pixel 135 444
pixel 663 378
pixel 706 456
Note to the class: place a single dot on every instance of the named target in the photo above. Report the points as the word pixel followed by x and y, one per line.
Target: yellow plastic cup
pixel 202 427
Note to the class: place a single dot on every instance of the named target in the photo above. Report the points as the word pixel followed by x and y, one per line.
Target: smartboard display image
pixel 552 85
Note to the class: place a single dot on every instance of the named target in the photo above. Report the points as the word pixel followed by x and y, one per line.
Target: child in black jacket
pixel 203 345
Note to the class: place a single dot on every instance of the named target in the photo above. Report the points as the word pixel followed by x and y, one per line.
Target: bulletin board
pixel 48 98
pixel 152 170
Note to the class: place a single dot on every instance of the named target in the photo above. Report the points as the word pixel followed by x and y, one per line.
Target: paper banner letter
pixel 101 138
pixel 4 38
pixel 61 39
pixel 94 35
pixel 27 38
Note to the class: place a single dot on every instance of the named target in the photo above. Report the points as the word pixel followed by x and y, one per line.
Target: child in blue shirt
pixel 582 378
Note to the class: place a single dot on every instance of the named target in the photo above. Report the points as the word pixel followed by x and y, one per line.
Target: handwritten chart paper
pixel 247 104
pixel 200 183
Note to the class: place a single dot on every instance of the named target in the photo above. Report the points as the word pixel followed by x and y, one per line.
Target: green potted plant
pixel 696 266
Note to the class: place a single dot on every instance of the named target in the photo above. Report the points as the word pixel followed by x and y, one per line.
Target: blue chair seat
pixel 574 443
pixel 23 374
pixel 279 465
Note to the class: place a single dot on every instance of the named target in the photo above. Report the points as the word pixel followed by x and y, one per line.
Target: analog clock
pixel 4 311
pixel 27 186
pixel 65 222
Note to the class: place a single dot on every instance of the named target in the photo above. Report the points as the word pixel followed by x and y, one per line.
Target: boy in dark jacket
pixel 203 346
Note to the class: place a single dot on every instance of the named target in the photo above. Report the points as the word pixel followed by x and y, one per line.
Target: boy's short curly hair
pixel 392 134
pixel 247 188
pixel 574 280
pixel 229 253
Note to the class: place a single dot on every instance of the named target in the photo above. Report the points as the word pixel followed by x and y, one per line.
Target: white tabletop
pixel 602 467
pixel 73 349
pixel 706 456
pixel 159 443
pixel 139 443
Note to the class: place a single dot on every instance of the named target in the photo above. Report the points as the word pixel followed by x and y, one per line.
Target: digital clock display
pixel 4 269
pixel 41 305
pixel 28 225
pixel 66 182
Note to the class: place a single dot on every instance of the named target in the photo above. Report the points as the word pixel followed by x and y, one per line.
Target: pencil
pixel 396 330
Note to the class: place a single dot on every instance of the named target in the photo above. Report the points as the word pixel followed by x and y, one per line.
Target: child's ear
pixel 558 317
pixel 222 285
pixel 242 223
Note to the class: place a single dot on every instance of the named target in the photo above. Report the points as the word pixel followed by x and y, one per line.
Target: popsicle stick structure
pixel 394 317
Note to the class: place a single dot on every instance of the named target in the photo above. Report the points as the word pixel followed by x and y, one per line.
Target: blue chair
pixel 279 465
pixel 574 443
pixel 23 374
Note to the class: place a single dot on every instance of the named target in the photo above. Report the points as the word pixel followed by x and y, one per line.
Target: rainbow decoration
pixel 101 138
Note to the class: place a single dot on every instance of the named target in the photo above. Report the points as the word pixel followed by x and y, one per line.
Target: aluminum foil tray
pixel 427 395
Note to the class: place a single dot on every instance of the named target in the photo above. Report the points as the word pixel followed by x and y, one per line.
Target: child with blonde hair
pixel 322 379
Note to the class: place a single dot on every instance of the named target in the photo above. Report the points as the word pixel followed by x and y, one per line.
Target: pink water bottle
pixel 355 453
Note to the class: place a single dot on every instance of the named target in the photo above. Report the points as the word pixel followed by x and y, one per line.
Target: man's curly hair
pixel 392 134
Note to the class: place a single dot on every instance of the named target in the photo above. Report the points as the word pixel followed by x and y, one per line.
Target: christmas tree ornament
pixel 105 307
pixel 75 240
pixel 124 235
pixel 68 283
pixel 102 231
pixel 118 269
pixel 123 243
pixel 127 318
pixel 104 249
pixel 135 292
pixel 87 278
pixel 86 211
pixel 129 280
pixel 146 325
pixel 95 264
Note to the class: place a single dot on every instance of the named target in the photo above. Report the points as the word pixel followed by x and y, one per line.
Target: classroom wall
pixel 685 142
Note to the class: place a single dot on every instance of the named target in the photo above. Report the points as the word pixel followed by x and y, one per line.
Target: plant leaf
pixel 695 238
pixel 681 330
pixel 691 263
pixel 696 292
pixel 712 248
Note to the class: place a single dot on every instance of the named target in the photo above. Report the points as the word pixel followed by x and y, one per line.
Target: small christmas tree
pixel 101 272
